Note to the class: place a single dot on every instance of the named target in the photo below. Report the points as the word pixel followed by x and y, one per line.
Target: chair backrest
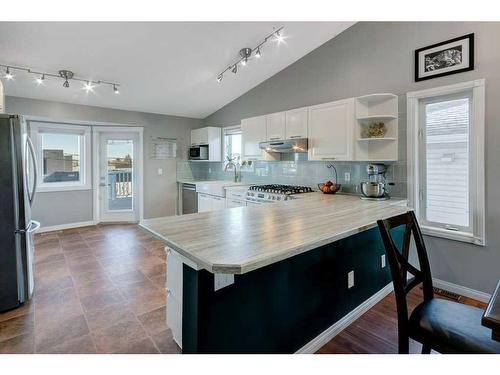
pixel 400 266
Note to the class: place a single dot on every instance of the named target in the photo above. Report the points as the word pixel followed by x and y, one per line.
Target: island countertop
pixel 242 239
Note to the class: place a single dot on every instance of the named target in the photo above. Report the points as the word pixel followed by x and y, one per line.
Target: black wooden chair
pixel 442 325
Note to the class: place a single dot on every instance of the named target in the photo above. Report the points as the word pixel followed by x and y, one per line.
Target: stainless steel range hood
pixel 285 145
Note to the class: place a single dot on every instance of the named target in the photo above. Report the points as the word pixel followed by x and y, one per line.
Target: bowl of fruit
pixel 329 187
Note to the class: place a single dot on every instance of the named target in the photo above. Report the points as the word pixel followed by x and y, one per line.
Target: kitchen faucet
pixel 235 165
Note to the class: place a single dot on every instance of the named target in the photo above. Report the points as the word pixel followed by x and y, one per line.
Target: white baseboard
pixel 462 290
pixel 323 338
pixel 66 226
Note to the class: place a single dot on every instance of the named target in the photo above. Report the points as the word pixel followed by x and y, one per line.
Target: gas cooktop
pixel 281 189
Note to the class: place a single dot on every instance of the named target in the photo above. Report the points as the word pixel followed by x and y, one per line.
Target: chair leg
pixel 426 349
pixel 403 344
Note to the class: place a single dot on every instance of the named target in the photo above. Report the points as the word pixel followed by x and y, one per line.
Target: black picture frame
pixel 470 40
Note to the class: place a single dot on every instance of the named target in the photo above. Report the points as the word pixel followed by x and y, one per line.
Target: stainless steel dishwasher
pixel 189 199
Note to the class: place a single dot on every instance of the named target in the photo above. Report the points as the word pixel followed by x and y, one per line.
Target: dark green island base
pixel 281 307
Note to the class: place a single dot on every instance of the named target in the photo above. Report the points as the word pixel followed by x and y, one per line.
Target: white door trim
pixel 95 164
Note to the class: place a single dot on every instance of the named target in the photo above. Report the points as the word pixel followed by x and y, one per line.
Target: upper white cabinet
pixel 211 136
pixel 275 124
pixel 330 130
pixel 253 131
pixel 296 123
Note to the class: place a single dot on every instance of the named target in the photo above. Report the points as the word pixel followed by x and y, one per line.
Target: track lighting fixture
pixel 88 86
pixel 246 53
pixel 8 74
pixel 40 79
pixel 279 37
pixel 66 75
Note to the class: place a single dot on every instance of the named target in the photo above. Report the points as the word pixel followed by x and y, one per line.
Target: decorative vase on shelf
pixel 375 130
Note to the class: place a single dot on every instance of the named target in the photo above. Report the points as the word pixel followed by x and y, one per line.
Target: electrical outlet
pixel 347 176
pixel 160 171
pixel 382 261
pixel 350 279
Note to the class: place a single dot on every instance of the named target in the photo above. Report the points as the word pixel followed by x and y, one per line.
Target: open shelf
pixel 377 117
pixel 371 109
pixel 377 139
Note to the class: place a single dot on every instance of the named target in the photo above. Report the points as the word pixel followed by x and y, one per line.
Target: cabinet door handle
pixel 327 158
pixel 274 138
pixel 295 136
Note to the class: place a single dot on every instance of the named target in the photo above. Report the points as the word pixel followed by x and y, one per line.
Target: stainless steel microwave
pixel 198 152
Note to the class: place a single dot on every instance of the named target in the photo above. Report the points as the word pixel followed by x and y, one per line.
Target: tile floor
pixel 98 289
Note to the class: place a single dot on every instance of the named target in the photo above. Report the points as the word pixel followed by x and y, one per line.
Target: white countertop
pixel 242 239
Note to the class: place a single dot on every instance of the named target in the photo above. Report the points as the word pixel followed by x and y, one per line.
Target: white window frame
pixel 224 131
pixel 85 183
pixel 477 152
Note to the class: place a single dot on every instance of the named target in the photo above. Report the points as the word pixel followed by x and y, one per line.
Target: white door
pixel 118 177
pixel 331 130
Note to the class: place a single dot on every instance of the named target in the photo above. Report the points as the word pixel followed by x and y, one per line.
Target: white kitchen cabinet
pixel 275 126
pixel 204 203
pixel 296 123
pixel 330 130
pixel 211 136
pixel 231 203
pixel 210 203
pixel 174 295
pixel 253 131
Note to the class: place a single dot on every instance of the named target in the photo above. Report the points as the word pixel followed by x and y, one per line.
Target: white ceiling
pixel 163 67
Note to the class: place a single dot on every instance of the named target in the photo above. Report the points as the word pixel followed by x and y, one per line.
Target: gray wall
pixel 374 57
pixel 160 192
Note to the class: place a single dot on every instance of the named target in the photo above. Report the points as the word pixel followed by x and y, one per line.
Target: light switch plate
pixel 350 279
pixel 347 176
pixel 382 261
pixel 160 171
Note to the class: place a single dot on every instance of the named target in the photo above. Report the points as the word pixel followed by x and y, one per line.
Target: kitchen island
pixel 272 278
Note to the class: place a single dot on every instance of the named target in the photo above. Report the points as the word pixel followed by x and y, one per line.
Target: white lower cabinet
pixel 231 203
pixel 174 295
pixel 208 202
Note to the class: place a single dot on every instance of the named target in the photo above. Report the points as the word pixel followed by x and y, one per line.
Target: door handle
pixel 104 184
pixel 31 149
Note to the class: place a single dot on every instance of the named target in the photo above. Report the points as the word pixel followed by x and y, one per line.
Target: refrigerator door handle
pixel 32 227
pixel 31 194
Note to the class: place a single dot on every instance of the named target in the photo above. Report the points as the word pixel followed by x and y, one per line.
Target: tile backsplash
pixel 305 173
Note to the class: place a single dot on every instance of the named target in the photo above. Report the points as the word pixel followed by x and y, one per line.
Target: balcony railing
pixel 120 190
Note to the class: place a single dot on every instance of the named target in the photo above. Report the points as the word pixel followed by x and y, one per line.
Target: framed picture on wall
pixel 445 58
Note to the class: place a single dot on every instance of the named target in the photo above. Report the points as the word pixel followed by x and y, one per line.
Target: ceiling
pixel 163 67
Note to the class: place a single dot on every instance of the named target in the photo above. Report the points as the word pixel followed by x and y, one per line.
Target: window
pixel 446 160
pixel 232 143
pixel 63 156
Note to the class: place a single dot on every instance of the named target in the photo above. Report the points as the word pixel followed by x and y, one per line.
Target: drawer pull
pixel 295 136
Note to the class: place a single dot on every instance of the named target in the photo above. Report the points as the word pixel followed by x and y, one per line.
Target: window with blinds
pixel 446 124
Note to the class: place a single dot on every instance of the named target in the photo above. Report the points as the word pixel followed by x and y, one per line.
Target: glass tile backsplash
pixel 305 173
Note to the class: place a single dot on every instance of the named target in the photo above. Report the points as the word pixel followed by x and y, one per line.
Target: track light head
pixel 257 53
pixel 235 69
pixel 88 86
pixel 40 79
pixel 220 78
pixel 244 62
pixel 279 37
pixel 8 74
pixel 115 89
pixel 67 75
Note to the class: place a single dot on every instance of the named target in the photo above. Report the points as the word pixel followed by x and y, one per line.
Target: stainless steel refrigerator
pixel 18 179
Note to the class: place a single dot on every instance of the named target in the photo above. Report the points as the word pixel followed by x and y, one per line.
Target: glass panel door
pixel 117 177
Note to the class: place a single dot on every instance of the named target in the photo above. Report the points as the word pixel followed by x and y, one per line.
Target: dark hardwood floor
pixel 375 332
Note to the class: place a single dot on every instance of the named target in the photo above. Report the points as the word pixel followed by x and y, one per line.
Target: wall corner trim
pixel 54 228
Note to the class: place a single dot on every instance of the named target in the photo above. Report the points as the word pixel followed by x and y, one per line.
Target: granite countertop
pixel 243 239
